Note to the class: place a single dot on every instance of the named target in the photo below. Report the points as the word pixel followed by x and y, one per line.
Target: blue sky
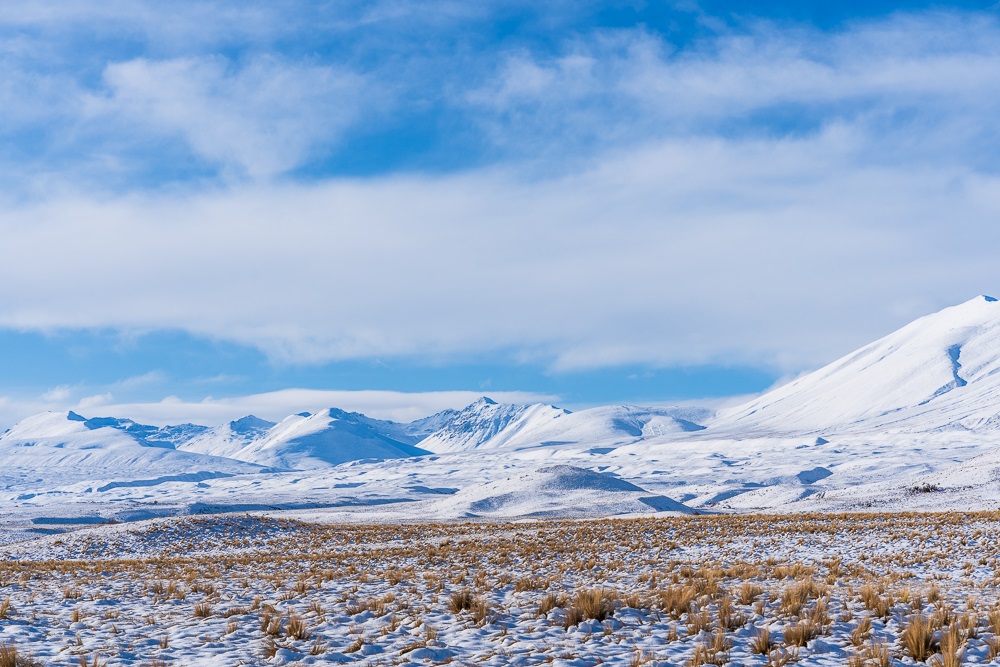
pixel 404 205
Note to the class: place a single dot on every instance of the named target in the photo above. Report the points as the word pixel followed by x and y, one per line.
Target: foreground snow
pixel 249 589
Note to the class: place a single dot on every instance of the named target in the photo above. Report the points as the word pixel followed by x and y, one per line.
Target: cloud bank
pixel 275 406
pixel 770 194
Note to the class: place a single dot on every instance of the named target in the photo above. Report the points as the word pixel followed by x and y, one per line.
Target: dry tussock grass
pixel 580 571
pixel 918 638
pixel 952 645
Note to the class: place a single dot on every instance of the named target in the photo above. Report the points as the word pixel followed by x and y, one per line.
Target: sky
pixel 211 208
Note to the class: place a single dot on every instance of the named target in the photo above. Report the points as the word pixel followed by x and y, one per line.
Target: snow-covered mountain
pixel 66 446
pixel 941 371
pixel 489 425
pixel 251 432
pixel 228 439
pixel 918 409
pixel 606 425
pixel 150 436
pixel 329 438
pixel 335 436
pixel 409 433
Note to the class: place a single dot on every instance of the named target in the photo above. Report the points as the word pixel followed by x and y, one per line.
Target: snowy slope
pixel 487 425
pixel 58 448
pixel 410 433
pixel 329 438
pixel 150 436
pixel 941 371
pixel 228 439
pixel 606 425
pixel 422 428
pixel 560 490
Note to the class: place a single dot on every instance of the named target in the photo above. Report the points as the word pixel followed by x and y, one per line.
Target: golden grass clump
pixel 861 631
pixel 795 596
pixel 594 603
pixel 530 584
pixel 876 654
pixel 749 592
pixel 761 642
pixel 876 601
pixel 779 657
pixel 952 649
pixel 712 652
pixel 918 638
pixel 801 633
pixel 993 648
pixel 296 628
pixel 8 655
pixel 730 618
pixel 550 602
pixel 460 601
pixel 676 600
pixel 698 621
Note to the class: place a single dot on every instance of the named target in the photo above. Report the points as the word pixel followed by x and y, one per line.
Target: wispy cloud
pixel 260 118
pixel 270 94
pixel 900 75
pixel 394 405
pixel 59 394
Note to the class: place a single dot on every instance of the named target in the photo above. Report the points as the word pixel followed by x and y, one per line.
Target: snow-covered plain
pixel 740 589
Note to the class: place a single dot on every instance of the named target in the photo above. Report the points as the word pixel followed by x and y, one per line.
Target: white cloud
pixel 58 394
pixel 394 405
pixel 88 402
pixel 261 118
pixel 275 405
pixel 627 86
pixel 789 251
pixel 767 196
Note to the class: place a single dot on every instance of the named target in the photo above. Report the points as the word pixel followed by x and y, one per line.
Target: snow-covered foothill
pixel 328 438
pixel 558 490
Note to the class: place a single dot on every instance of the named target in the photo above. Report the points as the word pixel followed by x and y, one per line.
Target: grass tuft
pixel 918 638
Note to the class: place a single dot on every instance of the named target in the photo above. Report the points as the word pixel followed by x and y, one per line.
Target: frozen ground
pixel 695 473
pixel 744 590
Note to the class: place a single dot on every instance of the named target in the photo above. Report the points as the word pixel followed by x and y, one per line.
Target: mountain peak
pixel 249 424
pixel 978 301
pixel 940 370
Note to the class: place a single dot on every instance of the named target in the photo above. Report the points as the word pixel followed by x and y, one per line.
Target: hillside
pixel 941 371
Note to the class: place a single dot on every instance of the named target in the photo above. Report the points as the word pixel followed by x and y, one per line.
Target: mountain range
pixel 914 404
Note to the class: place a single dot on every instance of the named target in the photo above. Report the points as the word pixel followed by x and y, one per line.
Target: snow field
pixel 819 589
